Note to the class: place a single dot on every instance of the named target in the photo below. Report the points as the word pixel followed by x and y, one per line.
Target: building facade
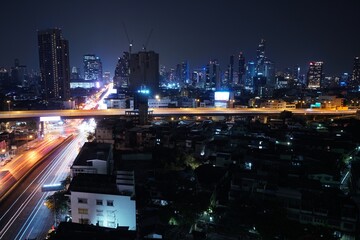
pixel 54 65
pixel 144 71
pixel 104 200
pixel 314 75
pixel 92 68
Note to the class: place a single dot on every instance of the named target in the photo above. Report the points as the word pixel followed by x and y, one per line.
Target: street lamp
pixel 8 102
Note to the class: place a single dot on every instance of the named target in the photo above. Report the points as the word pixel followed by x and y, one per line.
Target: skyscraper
pixel 122 71
pixel 242 68
pixel 212 81
pixel 231 71
pixel 54 65
pixel 314 75
pixel 355 77
pixel 92 68
pixel 260 58
pixel 144 71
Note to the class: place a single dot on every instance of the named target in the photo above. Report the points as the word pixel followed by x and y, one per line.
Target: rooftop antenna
pixel 147 41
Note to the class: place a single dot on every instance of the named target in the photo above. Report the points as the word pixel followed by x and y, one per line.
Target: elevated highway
pixel 163 112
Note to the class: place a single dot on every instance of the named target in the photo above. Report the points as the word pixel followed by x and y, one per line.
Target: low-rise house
pixel 104 200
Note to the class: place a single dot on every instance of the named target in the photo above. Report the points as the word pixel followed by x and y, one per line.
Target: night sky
pixel 296 32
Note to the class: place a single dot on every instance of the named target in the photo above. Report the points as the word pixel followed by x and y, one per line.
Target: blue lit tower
pixel 92 68
pixel 314 75
pixel 242 69
pixel 355 76
pixel 54 65
pixel 250 74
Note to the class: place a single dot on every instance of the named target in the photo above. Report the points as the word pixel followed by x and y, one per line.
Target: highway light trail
pixel 38 181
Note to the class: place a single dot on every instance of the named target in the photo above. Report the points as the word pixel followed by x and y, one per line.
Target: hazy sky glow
pixel 296 32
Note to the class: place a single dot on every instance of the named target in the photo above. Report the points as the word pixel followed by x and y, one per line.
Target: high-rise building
pixel 260 58
pixel 242 69
pixel 182 73
pixel 54 64
pixel 231 71
pixel 212 80
pixel 314 75
pixel 144 71
pixel 18 74
pixel 92 68
pixel 250 74
pixel 355 77
pixel 122 71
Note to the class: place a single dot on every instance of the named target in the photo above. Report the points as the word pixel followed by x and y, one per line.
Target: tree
pixel 57 202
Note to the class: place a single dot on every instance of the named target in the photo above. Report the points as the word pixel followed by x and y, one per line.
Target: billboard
pixel 222 96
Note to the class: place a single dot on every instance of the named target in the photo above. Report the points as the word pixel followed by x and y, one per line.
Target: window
pixel 82 211
pixel 110 203
pixel 84 221
pixel 99 212
pixel 82 200
pixel 99 202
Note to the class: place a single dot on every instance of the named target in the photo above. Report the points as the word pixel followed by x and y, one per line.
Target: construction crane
pixel 147 41
pixel 130 42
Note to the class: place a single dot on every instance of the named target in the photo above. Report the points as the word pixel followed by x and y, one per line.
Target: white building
pixel 104 200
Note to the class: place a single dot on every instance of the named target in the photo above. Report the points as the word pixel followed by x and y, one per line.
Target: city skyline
pixel 295 33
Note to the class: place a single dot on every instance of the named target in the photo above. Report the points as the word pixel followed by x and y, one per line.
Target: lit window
pixel 82 211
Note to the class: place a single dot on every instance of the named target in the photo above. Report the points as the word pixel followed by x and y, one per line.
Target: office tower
pixel 182 73
pixel 242 69
pixel 18 74
pixel 314 75
pixel 75 73
pixel 269 72
pixel 54 64
pixel 344 80
pixel 4 77
pixel 107 77
pixel 212 81
pixel 355 77
pixel 92 68
pixel 260 58
pixel 144 71
pixel 231 71
pixel 250 74
pixel 122 71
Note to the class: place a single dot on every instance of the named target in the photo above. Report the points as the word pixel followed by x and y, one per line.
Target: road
pixel 7 115
pixel 23 213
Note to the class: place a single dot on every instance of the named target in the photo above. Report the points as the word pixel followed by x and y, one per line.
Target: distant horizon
pixel 194 31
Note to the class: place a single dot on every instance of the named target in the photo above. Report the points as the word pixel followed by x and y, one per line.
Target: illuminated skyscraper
pixel 250 74
pixel 314 75
pixel 212 80
pixel 260 58
pixel 144 71
pixel 122 71
pixel 54 64
pixel 242 69
pixel 355 77
pixel 92 68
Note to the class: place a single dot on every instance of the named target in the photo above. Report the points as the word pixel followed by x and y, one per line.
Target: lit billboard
pixel 222 96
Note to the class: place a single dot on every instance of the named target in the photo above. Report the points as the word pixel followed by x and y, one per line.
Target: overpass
pixel 163 112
